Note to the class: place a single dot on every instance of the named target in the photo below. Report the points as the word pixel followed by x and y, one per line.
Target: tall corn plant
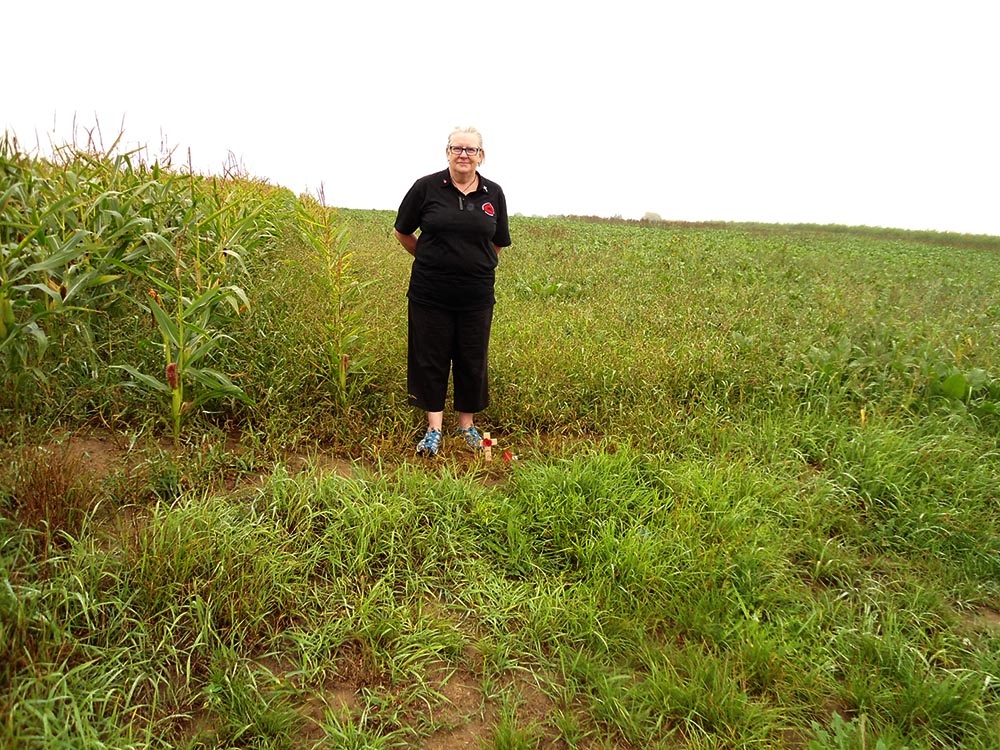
pixel 190 310
pixel 345 332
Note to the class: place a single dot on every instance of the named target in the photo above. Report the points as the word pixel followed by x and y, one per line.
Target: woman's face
pixel 464 163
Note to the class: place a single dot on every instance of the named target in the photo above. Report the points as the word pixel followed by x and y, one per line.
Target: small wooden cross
pixel 487 446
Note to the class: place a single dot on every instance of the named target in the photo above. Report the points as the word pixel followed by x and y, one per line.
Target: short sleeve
pixel 409 214
pixel 501 237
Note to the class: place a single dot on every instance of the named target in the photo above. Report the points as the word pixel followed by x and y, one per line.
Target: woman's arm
pixel 408 241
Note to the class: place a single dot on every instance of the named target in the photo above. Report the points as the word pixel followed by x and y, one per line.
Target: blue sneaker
pixel 430 445
pixel 473 439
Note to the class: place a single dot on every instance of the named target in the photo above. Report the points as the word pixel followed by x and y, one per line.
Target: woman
pixel 462 218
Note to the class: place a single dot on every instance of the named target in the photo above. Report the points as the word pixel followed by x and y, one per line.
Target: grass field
pixel 755 501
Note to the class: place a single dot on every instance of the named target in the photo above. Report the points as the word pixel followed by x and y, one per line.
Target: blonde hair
pixel 470 130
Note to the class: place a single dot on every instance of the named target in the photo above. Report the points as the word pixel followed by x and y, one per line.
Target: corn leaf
pixel 144 379
pixel 167 326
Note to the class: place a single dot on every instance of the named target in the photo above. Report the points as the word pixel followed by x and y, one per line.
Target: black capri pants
pixel 443 340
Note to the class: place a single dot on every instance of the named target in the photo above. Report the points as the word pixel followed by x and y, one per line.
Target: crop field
pixel 752 501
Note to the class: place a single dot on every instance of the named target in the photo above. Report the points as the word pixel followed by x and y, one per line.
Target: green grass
pixel 754 505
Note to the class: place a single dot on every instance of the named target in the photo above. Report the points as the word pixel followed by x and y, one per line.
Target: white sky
pixel 874 112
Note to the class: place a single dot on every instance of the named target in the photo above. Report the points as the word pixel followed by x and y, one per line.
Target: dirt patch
pixel 323 462
pixel 337 699
pixel 100 454
pixel 148 466
pixel 462 713
pixel 984 619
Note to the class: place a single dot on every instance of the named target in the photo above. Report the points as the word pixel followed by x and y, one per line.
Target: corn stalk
pixel 345 331
pixel 188 339
pixel 189 334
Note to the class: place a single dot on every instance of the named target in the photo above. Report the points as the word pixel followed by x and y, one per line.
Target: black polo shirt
pixel 455 263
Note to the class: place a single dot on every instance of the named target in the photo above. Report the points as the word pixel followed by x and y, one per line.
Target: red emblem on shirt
pixel 488 208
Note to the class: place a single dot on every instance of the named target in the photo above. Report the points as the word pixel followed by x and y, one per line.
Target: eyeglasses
pixel 471 150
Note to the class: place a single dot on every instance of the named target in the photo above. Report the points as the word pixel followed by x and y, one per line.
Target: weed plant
pixel 754 505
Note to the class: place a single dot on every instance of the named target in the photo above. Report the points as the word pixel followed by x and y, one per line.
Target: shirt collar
pixel 446 180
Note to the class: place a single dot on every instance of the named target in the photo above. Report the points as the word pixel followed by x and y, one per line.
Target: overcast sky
pixel 873 112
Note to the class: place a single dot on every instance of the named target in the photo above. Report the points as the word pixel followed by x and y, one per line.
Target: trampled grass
pixel 755 502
